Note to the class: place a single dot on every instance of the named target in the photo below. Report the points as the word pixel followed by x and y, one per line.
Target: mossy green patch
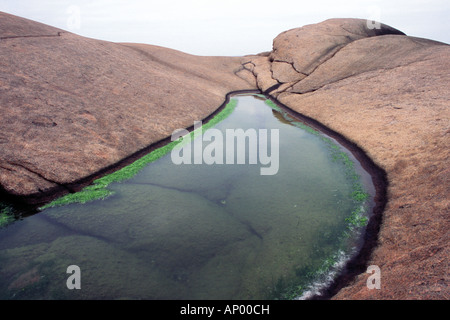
pixel 356 218
pixel 359 195
pixel 272 104
pixel 98 190
pixel 6 215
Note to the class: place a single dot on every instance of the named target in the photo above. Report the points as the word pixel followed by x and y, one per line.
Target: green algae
pixel 6 215
pixel 98 190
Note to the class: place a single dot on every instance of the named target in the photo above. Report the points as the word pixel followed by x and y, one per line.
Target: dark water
pixel 218 231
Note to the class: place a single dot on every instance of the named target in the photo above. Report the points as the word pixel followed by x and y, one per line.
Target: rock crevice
pixel 298 53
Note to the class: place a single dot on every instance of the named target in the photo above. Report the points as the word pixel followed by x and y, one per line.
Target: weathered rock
pixel 304 49
pixel 389 94
pixel 72 106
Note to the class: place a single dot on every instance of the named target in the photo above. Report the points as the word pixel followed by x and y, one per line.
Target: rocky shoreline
pixel 103 104
pixel 387 93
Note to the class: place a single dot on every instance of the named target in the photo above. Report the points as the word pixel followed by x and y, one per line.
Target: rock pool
pixel 201 231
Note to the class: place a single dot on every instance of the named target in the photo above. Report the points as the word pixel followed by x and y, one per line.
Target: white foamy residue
pixel 325 280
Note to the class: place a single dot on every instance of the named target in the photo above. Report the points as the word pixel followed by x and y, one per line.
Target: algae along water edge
pixel 255 206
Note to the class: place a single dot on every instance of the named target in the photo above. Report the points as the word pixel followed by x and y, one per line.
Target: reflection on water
pixel 192 231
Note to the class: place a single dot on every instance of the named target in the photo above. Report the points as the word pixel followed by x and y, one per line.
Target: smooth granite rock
pixel 71 106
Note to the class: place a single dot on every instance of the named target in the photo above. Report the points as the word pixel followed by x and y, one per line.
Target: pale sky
pixel 224 27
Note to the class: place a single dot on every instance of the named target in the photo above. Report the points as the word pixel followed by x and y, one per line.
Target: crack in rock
pixel 13 164
pixel 32 36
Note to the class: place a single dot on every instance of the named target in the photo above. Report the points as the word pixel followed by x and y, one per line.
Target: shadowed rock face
pixel 71 106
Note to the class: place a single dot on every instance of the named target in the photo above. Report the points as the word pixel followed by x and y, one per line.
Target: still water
pixel 195 231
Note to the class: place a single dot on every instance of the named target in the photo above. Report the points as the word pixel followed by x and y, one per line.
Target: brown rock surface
pixel 389 94
pixel 71 106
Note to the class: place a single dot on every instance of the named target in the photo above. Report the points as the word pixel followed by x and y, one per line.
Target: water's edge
pixel 32 202
pixel 356 265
